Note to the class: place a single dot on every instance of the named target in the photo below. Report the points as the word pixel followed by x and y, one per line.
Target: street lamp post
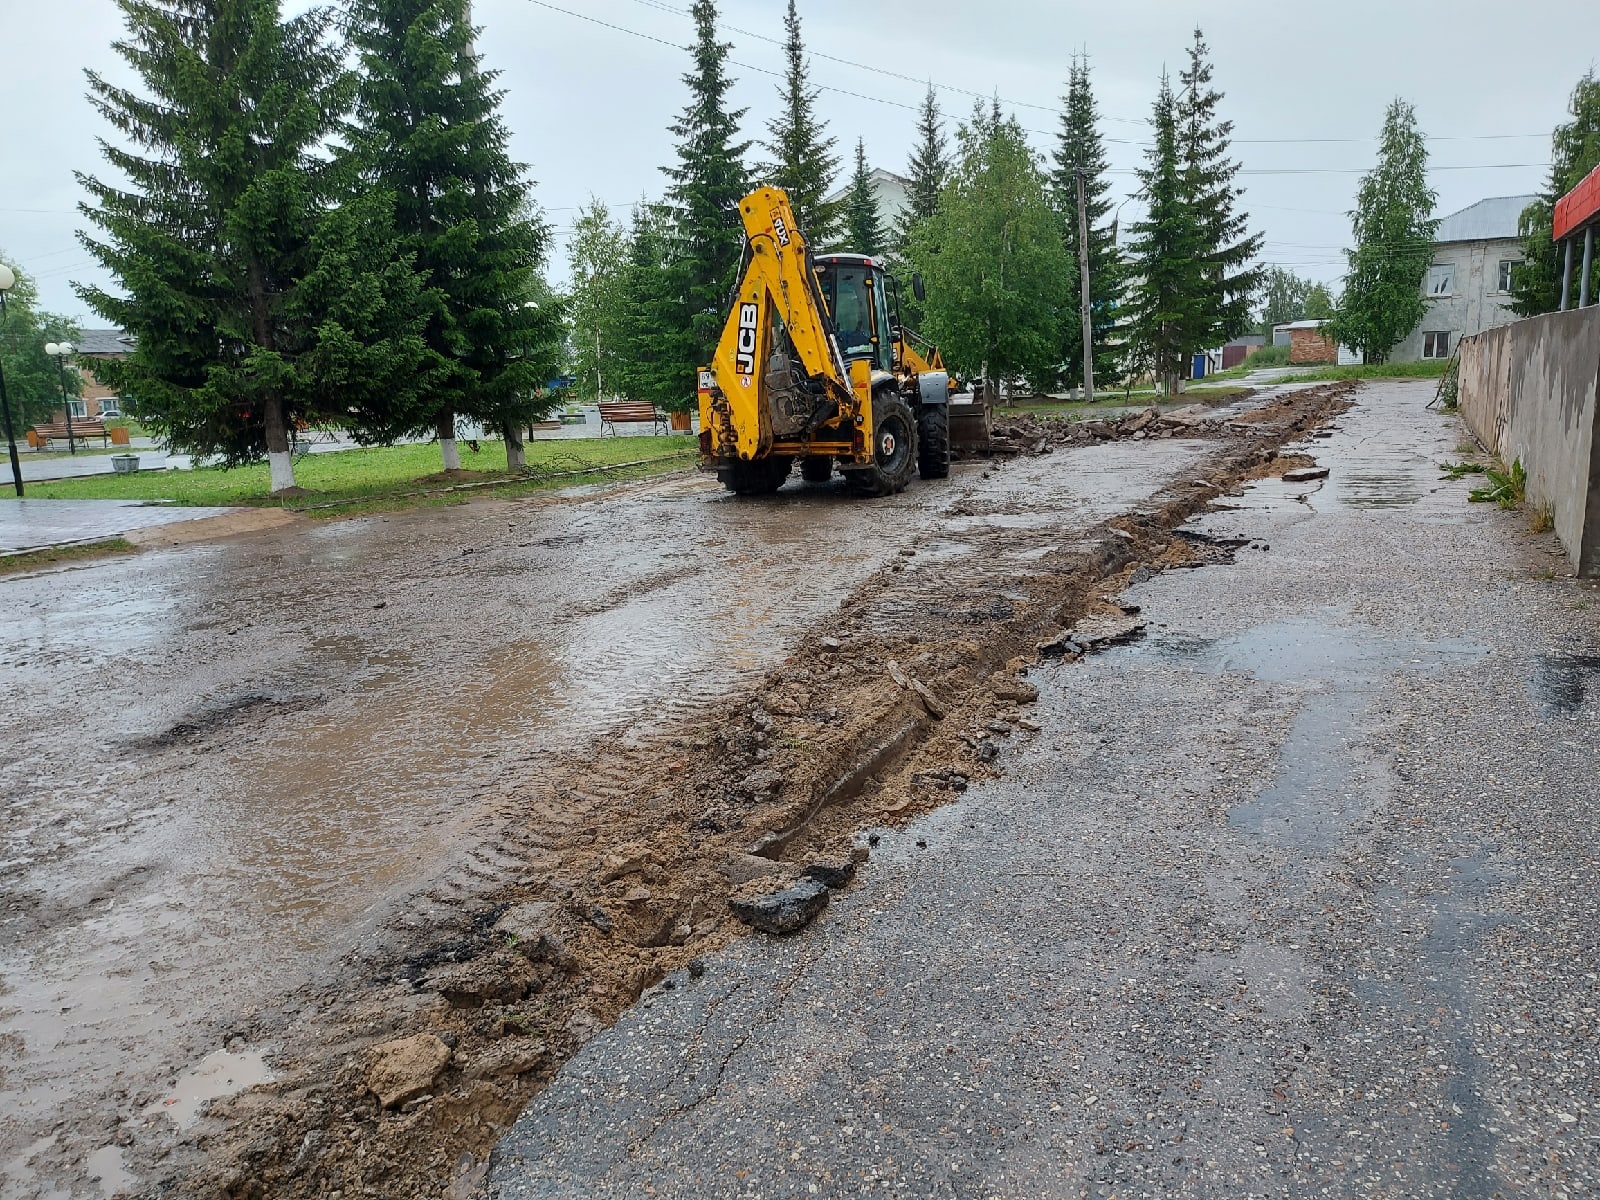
pixel 8 280
pixel 59 352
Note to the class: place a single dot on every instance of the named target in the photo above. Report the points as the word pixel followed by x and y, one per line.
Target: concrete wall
pixel 1531 391
pixel 1475 302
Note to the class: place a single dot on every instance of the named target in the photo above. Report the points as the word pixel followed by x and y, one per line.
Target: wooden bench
pixel 40 436
pixel 642 411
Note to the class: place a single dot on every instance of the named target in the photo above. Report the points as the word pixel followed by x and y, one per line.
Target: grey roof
pixel 1487 220
pixel 103 341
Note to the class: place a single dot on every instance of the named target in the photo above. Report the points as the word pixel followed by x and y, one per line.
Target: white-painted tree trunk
pixel 447 442
pixel 281 463
pixel 516 459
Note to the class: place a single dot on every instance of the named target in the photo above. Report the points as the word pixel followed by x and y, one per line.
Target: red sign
pixel 1578 207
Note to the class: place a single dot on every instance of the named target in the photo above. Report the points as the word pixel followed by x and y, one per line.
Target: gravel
pixel 1295 897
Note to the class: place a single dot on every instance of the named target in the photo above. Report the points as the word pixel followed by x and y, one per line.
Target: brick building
pixel 1308 344
pixel 97 400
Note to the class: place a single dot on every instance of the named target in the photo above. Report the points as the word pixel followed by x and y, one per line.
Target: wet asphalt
pixel 1295 897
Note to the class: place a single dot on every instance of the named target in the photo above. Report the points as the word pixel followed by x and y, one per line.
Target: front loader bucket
pixel 969 424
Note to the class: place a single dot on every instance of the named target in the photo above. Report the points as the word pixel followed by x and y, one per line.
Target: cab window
pixel 850 301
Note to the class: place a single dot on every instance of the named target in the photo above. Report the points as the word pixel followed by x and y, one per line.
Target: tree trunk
pixel 516 458
pixel 275 415
pixel 448 450
pixel 279 460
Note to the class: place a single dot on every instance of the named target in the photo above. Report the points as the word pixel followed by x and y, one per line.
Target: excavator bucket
pixel 970 423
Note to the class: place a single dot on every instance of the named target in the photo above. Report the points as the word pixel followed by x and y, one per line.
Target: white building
pixel 1467 289
pixel 891 192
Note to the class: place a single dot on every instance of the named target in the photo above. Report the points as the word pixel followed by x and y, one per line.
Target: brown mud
pixel 617 858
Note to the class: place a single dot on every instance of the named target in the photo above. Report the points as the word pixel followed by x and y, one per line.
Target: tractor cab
pixel 856 290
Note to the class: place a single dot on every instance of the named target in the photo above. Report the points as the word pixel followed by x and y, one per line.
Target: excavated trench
pixel 628 852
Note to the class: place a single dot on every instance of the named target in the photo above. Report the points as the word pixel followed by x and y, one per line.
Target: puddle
pixel 220 1073
pixel 1561 683
pixel 1320 788
pixel 1373 489
pixel 105 1167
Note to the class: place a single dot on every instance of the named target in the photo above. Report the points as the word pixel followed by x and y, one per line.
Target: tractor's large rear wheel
pixel 894 448
pixel 759 478
pixel 933 442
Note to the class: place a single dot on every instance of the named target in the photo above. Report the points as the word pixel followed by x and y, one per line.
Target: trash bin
pixel 124 464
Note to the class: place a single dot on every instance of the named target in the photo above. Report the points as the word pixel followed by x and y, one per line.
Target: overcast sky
pixel 588 104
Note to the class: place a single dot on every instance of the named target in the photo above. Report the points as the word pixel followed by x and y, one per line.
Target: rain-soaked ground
pixel 227 761
pixel 1297 896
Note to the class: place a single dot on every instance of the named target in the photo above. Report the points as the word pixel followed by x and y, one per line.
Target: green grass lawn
pixel 377 473
pixel 1431 369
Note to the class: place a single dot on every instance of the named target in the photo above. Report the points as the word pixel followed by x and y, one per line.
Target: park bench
pixel 40 436
pixel 642 411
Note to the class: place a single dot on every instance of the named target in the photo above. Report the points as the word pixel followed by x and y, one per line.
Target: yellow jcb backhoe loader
pixel 813 365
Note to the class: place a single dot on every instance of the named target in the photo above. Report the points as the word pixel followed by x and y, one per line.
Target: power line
pixel 1053 109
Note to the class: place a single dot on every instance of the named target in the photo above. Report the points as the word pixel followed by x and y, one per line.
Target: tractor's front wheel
pixel 933 442
pixel 894 448
pixel 759 478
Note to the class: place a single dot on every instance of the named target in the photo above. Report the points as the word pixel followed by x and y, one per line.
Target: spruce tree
pixel 1207 177
pixel 928 172
pixel 656 342
pixel 803 162
pixel 1080 150
pixel 1574 152
pixel 708 182
pixel 863 224
pixel 427 130
pixel 254 305
pixel 1392 227
pixel 1166 258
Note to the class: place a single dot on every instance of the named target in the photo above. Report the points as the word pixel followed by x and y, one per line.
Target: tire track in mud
pixel 626 846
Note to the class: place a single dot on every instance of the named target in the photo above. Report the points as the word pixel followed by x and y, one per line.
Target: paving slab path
pixel 1297 896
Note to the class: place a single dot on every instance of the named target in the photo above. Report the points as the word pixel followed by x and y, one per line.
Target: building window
pixel 1505 274
pixel 1442 279
pixel 75 407
pixel 1436 345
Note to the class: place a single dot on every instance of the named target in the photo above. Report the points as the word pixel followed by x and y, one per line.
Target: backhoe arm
pixel 777 292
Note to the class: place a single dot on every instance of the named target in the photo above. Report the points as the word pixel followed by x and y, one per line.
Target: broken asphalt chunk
pixel 831 872
pixel 1305 474
pixel 779 912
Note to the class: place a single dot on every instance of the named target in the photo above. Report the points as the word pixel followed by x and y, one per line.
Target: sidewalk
pixel 1297 896
pixel 39 524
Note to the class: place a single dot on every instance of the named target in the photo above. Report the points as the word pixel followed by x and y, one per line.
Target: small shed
pixel 1309 345
pixel 1241 348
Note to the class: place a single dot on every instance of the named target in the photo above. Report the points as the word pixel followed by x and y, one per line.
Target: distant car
pixel 111 414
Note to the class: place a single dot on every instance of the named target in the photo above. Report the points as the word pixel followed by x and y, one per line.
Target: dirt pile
pixel 1028 433
pixel 632 853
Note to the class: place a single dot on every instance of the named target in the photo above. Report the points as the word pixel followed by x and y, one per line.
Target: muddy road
pixel 266 797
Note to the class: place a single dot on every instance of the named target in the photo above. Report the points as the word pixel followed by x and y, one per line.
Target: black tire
pixel 817 468
pixel 759 478
pixel 933 442
pixel 894 437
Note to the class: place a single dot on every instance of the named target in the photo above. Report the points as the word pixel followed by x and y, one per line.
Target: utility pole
pixel 1083 279
pixel 599 389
